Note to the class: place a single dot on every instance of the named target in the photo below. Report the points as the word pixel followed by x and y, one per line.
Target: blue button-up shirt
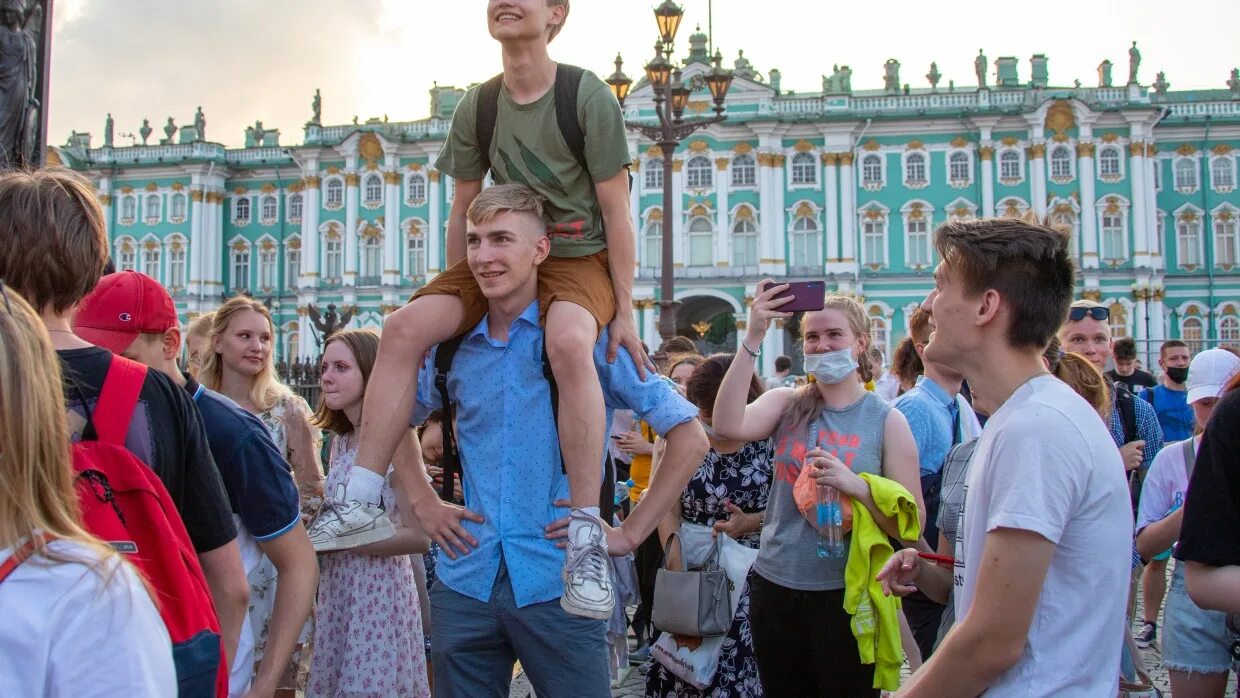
pixel 934 416
pixel 1147 428
pixel 510 452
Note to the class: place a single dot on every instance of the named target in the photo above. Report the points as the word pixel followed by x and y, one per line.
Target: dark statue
pixel 20 117
pixel 145 131
pixel 109 127
pixel 170 130
pixel 200 125
pixel 1134 63
pixel 330 322
pixel 979 68
pixel 316 108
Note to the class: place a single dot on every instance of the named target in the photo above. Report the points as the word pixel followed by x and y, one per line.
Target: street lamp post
pixel 671 96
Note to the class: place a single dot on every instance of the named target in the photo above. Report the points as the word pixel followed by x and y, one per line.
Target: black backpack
pixel 451 461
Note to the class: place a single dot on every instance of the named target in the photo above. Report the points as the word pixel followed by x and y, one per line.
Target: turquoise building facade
pixel 837 184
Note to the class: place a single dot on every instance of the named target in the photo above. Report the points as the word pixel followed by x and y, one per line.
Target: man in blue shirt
pixel 497 596
pixel 1170 396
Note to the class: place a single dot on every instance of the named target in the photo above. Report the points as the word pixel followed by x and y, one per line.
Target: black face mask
pixel 1177 374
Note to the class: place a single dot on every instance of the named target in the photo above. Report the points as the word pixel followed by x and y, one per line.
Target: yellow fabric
pixel 639 468
pixel 875 617
pixel 869 385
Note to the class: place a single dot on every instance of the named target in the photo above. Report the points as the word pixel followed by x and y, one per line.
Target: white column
pixel 350 225
pixel 1037 167
pixel 987 153
pixel 675 221
pixel 197 243
pixel 1158 326
pixel 848 212
pixel 1142 333
pixel 105 201
pixel 210 245
pixel 723 232
pixel 1157 259
pixel 310 261
pixel 305 335
pixel 778 224
pixel 772 347
pixel 434 236
pixel 650 330
pixel 1139 209
pixel 832 206
pixel 771 214
pixel 1089 222
pixel 391 226
pixel 742 322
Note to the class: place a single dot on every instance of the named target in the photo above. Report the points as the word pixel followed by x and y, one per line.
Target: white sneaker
pixel 343 524
pixel 587 570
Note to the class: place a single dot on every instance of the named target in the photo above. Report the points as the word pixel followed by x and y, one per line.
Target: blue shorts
pixel 1194 640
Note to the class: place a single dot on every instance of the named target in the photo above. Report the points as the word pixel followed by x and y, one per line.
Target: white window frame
pixel 334 182
pixel 268 209
pixel 333 257
pixel 1123 215
pixel 1230 229
pixel 148 216
pixel 692 236
pixel 691 169
pixel 176 260
pixel 292 262
pixel 129 209
pixel 296 205
pixel 415 180
pixel 237 202
pixel 1118 174
pixel 126 259
pixel 1195 344
pixel 906 160
pixel 1229 334
pixel 1188 236
pixel 927 221
pixel 871 184
pixel 370 255
pixel 648 249
pixel 268 265
pixel 807 231
pixel 953 181
pixel 239 260
pixel 151 251
pixel 1228 162
pixel 874 228
pixel 741 239
pixel 795 167
pixel 744 163
pixel 367 200
pixel 1000 157
pixel 415 249
pixel 1062 178
pixel 178 207
pixel 652 169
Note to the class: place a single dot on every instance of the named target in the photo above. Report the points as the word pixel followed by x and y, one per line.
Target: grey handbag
pixel 696 603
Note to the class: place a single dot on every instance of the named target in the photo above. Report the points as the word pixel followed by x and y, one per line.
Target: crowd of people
pixel 524 482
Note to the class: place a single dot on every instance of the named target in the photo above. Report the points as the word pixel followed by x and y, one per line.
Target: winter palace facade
pixel 838 184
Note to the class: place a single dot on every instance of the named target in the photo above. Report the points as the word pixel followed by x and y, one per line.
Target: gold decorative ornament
pixel 830 158
pixel 916 145
pixel 313 182
pixel 803 146
pixel 654 152
pixel 1036 151
pixel 778 160
pixel 126 189
pixel 1085 150
pixel 414 166
pixel 987 152
pixel 350 179
pixel 240 191
pixel 958 142
pixel 177 186
pixel 105 199
pixel 698 146
pixel 433 175
pixel 1009 141
pixel 369 148
pixel 698 210
pixel 804 210
pixel 870 145
pixel 1136 150
pixel 1110 137
pixel 1060 117
pixel 742 148
pixel 391 178
pixel 701 328
pixel 1092 294
pixel 268 188
pixel 744 213
pixel 151 186
pixel 656 214
pixel 846 159
pixel 678 165
pixel 1221 149
pixel 333 170
pixel 721 164
pixel 195 195
pixel 1150 150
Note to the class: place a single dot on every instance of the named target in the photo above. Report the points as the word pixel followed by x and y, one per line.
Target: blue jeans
pixel 476 645
pixel 1194 639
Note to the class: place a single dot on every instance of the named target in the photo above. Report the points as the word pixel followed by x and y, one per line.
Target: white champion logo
pixel 125 317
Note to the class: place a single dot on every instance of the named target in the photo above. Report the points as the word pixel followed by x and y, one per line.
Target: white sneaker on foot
pixel 587 570
pixel 342 524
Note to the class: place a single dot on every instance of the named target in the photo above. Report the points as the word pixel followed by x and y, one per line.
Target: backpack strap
pixel 567 85
pixel 486 112
pixel 1148 394
pixel 451 461
pixel 1127 412
pixel 23 553
pixel 117 400
pixel 1190 457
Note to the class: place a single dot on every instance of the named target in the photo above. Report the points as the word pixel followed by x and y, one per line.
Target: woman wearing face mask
pixel 801 633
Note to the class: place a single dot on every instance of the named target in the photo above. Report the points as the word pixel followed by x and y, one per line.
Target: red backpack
pixel 125 503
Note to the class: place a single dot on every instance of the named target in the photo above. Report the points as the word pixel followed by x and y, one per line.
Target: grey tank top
pixel 788 554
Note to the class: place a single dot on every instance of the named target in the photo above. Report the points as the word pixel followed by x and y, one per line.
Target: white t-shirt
pixel 1046 463
pixel 1165 485
pixel 65 633
pixel 242 668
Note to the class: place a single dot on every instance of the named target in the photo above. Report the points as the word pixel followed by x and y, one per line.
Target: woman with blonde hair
pixel 196 336
pixel 239 362
pixel 71 605
pixel 842 430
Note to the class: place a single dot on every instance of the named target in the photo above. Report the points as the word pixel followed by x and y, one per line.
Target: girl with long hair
pixel 77 619
pixel 368 637
pixel 801 633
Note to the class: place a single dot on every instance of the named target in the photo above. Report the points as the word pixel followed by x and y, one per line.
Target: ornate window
pixel 959 169
pixel 1192 331
pixel 333 256
pixel 915 170
pixel 1226 245
pixel 880 332
pixel 699 173
pixel 176 262
pixel 652 243
pixel 177 206
pixel 129 209
pixel 652 174
pixel 916 234
pixel 415 250
pixel 291 346
pixel 872 172
pixel 744 239
pixel 151 258
pixel 150 209
pixel 268 209
pixel 267 264
pixel 292 262
pixel 1109 163
pixel 803 239
pixel 1118 321
pixel 296 202
pixel 241 210
pixel 372 191
pixel 1188 239
pixel 1061 164
pixel 1011 207
pixel 1223 173
pixel 240 265
pixel 1185 175
pixel 1229 328
pixel 804 169
pixel 415 189
pixel 1011 170
pixel 701 242
pixel 744 171
pixel 333 193
pixel 874 238
pixel 126 255
pixel 1113 229
pixel 371 253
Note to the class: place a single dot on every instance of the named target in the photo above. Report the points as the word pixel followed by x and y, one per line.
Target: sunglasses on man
pixel 1099 313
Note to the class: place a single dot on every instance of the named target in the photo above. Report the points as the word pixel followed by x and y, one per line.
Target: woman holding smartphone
pixel 837 427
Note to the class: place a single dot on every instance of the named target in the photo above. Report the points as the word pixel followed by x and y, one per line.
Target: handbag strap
pixel 667 544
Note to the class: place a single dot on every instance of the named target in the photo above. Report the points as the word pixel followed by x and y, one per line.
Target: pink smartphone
pixel 806 295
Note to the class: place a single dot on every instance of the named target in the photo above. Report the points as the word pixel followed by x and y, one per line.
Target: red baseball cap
pixel 123 306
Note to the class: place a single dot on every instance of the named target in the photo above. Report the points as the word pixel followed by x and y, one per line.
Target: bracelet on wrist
pixel 751 352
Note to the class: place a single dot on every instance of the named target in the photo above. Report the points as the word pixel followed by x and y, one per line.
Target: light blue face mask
pixel 831 367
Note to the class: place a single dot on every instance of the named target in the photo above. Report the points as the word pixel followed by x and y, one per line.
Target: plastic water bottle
pixel 830 522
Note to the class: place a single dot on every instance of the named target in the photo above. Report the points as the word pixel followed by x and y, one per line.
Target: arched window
pixel 292 263
pixel 176 262
pixel 872 170
pixel 126 255
pixel 267 209
pixel 415 189
pixel 291 346
pixel 129 208
pixel 744 240
pixel 150 212
pixel 1065 219
pixel 267 265
pixel 804 169
pixel 1009 166
pixel 1118 321
pixel 1188 240
pixel 1186 174
pixel 1112 225
pixel 701 242
pixel 240 266
pixel 1061 163
pixel 958 167
pixel 803 239
pixel 1108 162
pixel 150 259
pixel 295 205
pixel 915 168
pixel 372 255
pixel 1225 243
pixel 1192 331
pixel 874 240
pixel 744 171
pixel 1223 173
pixel 879 334
pixel 372 194
pixel 333 257
pixel 333 193
pixel 652 244
pixel 178 205
pixel 652 173
pixel 917 241
pixel 241 210
pixel 698 173
pixel 1229 330
pixel 415 251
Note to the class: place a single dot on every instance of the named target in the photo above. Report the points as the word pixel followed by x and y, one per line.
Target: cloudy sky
pixel 243 60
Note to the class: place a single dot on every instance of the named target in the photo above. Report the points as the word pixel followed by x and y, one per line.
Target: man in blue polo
pixel 497 596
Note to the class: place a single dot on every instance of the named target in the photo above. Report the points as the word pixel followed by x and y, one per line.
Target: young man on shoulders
pixel 132 315
pixel 522 128
pixel 54 268
pixel 499 583
pixel 1126 371
pixel 1042 556
pixel 1170 396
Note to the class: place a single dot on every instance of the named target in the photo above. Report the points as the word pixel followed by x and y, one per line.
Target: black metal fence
pixel 303 377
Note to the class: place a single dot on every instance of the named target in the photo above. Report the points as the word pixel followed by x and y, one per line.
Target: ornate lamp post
pixel 671 96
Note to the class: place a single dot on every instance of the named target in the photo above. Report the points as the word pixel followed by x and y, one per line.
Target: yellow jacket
pixel 639 467
pixel 875 617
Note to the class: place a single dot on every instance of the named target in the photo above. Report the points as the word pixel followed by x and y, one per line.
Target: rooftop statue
pixel 146 130
pixel 1134 62
pixel 979 68
pixel 19 105
pixel 200 125
pixel 108 127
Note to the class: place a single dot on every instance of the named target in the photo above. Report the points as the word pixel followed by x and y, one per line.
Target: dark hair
pixel 782 363
pixel 1027 262
pixel 679 344
pixel 703 385
pixel 919 326
pixel 53 243
pixel 435 417
pixel 1125 349
pixel 364 345
pixel 906 364
pixel 1053 355
pixel 1170 344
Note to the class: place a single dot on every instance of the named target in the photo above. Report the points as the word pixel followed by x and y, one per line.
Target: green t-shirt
pixel 528 147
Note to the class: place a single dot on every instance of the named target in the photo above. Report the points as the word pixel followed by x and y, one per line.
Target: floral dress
pixel 368 637
pixel 744 479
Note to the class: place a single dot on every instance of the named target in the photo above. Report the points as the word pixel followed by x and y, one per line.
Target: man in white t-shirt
pixel 1042 553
